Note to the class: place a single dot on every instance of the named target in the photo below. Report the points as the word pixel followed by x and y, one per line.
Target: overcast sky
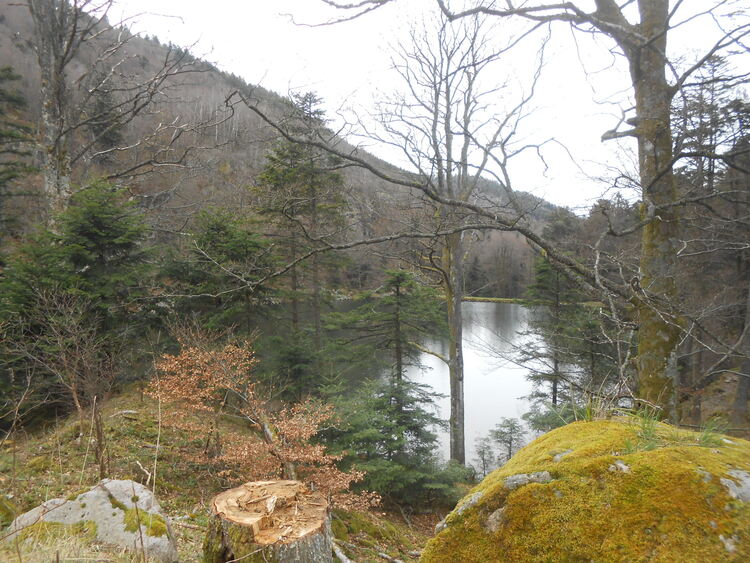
pixel 580 96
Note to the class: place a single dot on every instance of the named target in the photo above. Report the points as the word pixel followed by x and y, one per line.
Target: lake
pixel 493 385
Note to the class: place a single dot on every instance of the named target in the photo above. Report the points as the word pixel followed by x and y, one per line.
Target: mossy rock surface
pixel 611 490
pixel 106 513
pixel 8 511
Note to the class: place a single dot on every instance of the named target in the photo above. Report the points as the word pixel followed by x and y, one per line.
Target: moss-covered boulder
pixel 610 490
pixel 121 513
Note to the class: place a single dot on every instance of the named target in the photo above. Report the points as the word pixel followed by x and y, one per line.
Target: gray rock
pixel 705 475
pixel 738 488
pixel 730 544
pixel 467 503
pixel 515 481
pixel 558 457
pixel 440 526
pixel 619 466
pixel 495 520
pixel 123 513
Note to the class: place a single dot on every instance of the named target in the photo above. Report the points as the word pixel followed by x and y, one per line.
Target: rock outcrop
pixel 121 513
pixel 606 491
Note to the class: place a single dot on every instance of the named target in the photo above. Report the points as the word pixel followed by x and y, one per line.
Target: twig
pixel 158 437
pixel 340 554
pixel 88 444
pixel 189 526
pixel 148 475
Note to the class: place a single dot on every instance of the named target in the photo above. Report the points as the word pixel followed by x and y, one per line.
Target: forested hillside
pixel 205 283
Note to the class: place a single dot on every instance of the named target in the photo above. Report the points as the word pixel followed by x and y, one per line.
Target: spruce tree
pixel 388 424
pixel 225 259
pixel 509 435
pixel 300 191
pixel 69 300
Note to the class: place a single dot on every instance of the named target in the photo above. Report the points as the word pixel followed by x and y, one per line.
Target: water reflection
pixel 493 385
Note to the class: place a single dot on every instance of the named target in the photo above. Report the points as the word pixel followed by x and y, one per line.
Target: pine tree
pixel 69 300
pixel 388 425
pixel 509 435
pixel 301 192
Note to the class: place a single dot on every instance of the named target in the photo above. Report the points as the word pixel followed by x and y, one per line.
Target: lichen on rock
pixel 676 501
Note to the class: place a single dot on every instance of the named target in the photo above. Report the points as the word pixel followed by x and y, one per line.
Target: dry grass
pixel 50 464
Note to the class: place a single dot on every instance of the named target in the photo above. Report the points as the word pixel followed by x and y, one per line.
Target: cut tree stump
pixel 269 521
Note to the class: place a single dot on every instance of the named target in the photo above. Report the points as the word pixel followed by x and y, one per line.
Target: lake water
pixel 493 384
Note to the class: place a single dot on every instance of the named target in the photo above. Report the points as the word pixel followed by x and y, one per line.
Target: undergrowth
pixel 50 464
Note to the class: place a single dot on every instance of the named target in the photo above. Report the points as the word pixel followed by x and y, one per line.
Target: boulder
pixel 619 493
pixel 121 513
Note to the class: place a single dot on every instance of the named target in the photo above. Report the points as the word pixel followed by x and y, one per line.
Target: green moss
pixel 154 524
pixel 117 504
pixel 8 511
pixel 46 531
pixel 38 464
pixel 339 529
pixel 75 495
pixel 354 522
pixel 661 508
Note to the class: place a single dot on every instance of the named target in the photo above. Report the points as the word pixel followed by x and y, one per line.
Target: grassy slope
pixel 54 464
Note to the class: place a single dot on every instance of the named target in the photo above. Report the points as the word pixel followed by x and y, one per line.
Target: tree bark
pixel 269 521
pixel 55 42
pixel 659 332
pixel 453 266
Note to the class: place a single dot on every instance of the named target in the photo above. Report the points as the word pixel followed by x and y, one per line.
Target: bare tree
pixel 60 341
pixel 640 31
pixel 82 111
pixel 444 126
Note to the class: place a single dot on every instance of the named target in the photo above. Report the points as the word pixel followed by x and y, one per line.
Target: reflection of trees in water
pixel 494 382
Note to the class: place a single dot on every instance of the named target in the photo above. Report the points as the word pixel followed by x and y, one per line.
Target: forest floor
pixel 55 462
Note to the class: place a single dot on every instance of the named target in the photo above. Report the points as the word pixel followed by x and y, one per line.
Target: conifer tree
pixel 388 425
pixel 301 192
pixel 226 257
pixel 509 435
pixel 571 357
pixel 70 299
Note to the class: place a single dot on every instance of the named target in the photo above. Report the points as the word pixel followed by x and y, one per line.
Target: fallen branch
pixel 339 553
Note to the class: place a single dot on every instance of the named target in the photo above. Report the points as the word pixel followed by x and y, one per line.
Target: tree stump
pixel 269 521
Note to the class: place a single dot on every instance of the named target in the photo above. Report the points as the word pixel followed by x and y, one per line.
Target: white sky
pixel 582 90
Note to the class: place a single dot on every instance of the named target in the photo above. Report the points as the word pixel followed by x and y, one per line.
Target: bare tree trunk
pixel 315 266
pixel 52 20
pixel 399 351
pixel 295 300
pixel 742 394
pixel 101 450
pixel 453 265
